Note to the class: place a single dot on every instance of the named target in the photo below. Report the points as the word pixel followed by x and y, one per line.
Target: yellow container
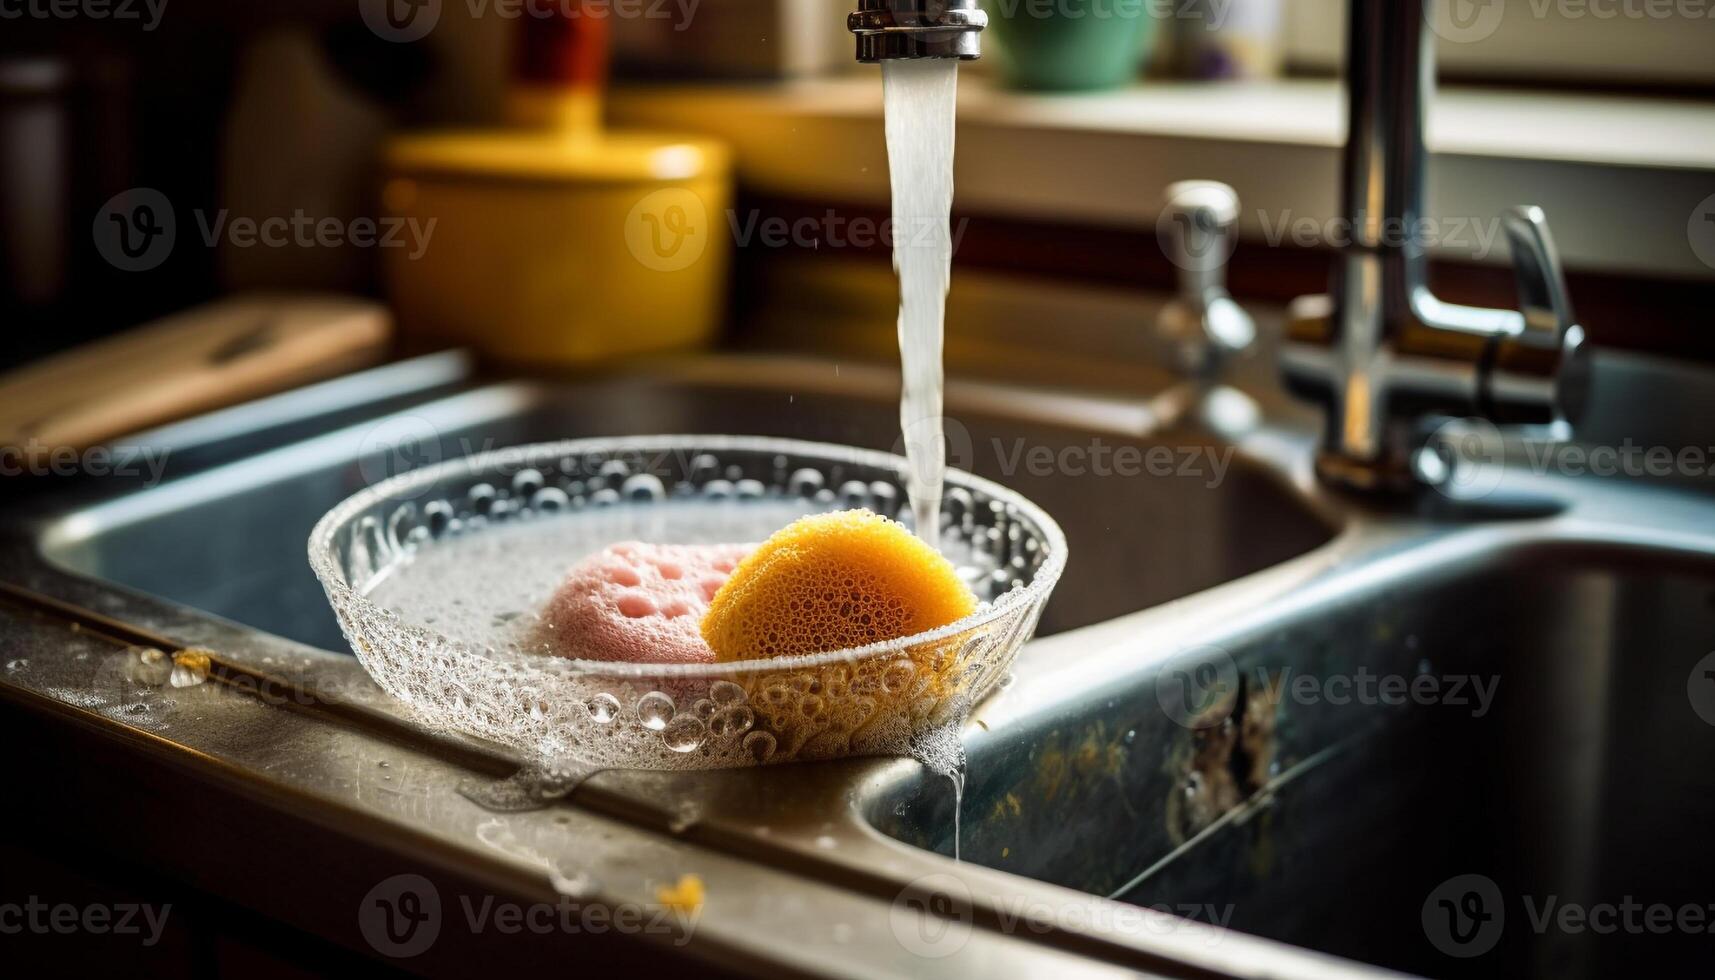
pixel 555 248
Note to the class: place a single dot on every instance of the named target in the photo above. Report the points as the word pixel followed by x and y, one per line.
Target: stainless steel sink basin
pixel 1559 758
pixel 230 541
pixel 1263 769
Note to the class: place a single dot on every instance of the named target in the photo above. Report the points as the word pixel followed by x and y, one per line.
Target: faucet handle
pixel 1540 374
pixel 1202 326
pixel 1543 297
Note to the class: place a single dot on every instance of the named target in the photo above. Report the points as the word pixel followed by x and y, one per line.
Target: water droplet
pixel 644 488
pixel 526 482
pixel 704 467
pixel 604 708
pixel 854 494
pixel 732 722
pixel 683 734
pixel 550 500
pixel 481 498
pixel 804 483
pixel 655 710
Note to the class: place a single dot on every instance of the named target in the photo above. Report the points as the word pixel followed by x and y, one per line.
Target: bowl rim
pixel 333 580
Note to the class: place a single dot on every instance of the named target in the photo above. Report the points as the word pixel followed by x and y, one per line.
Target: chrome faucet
pixel 1381 351
pixel 893 29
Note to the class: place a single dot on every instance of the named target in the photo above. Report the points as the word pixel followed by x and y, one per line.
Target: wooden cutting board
pixel 202 359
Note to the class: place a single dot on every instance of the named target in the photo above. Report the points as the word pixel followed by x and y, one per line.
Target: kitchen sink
pixel 230 541
pixel 1302 734
pixel 1549 749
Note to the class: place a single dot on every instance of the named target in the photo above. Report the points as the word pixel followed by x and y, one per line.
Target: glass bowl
pixel 532 511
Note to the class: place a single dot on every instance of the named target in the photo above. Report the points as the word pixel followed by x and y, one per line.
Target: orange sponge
pixel 831 582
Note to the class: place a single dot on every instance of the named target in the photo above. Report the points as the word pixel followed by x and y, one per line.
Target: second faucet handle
pixel 1202 326
pixel 1540 374
pixel 1543 297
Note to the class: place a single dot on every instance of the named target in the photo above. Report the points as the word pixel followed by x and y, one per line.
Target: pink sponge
pixel 641 603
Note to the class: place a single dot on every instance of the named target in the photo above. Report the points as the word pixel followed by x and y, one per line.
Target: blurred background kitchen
pixel 554 182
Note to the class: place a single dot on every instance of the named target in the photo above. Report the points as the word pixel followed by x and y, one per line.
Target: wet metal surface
pixel 1261 724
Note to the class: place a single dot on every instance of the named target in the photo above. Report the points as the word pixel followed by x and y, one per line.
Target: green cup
pixel 1069 45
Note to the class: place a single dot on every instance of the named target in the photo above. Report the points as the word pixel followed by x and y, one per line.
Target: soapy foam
pixel 500 590
pixel 495 589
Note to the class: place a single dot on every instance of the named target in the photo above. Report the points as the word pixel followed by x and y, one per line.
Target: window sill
pixel 1621 177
